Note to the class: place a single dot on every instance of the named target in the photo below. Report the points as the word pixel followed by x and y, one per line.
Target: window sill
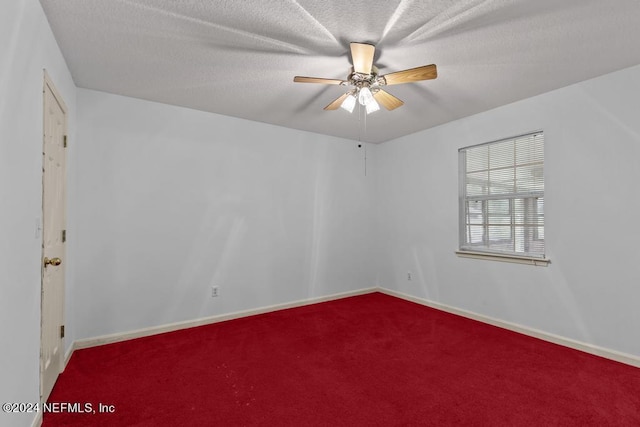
pixel 543 262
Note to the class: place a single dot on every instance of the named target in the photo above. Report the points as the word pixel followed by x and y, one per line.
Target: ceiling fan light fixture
pixel 349 103
pixel 372 106
pixel 364 96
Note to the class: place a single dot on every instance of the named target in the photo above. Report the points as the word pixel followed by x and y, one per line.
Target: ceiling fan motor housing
pixel 372 81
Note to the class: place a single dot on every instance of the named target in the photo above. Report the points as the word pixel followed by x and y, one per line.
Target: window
pixel 502 198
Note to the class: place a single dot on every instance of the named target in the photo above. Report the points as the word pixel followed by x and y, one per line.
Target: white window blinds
pixel 502 196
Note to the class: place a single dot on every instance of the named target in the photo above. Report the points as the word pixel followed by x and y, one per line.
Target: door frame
pixel 48 84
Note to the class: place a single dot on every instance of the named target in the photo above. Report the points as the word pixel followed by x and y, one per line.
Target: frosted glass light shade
pixel 365 97
pixel 349 103
pixel 372 106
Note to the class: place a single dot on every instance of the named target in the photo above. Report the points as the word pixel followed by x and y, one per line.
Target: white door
pixel 53 238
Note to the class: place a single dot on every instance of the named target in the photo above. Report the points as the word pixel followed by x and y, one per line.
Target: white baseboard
pixel 67 355
pixel 625 358
pixel 139 333
pixel 37 421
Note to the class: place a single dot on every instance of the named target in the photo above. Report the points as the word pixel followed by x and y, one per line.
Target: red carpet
pixel 371 360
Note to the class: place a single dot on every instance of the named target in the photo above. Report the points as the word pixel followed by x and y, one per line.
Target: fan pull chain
pixel 365 160
pixel 365 147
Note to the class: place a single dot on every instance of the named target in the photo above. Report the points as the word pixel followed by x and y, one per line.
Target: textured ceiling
pixel 239 57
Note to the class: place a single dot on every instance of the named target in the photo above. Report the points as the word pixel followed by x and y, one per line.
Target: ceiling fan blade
pixel 387 100
pixel 426 72
pixel 301 79
pixel 362 55
pixel 337 103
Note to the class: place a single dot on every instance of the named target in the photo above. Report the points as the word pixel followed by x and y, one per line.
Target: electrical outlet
pixel 214 291
pixel 409 276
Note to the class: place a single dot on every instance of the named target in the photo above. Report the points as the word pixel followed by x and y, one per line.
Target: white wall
pixel 590 292
pixel 172 201
pixel 26 48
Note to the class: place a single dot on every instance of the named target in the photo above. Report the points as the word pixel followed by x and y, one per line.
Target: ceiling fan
pixel 367 83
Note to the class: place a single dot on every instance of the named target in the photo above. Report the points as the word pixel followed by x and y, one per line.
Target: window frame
pixel 529 209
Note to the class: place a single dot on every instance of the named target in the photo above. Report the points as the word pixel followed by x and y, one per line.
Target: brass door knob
pixel 52 261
